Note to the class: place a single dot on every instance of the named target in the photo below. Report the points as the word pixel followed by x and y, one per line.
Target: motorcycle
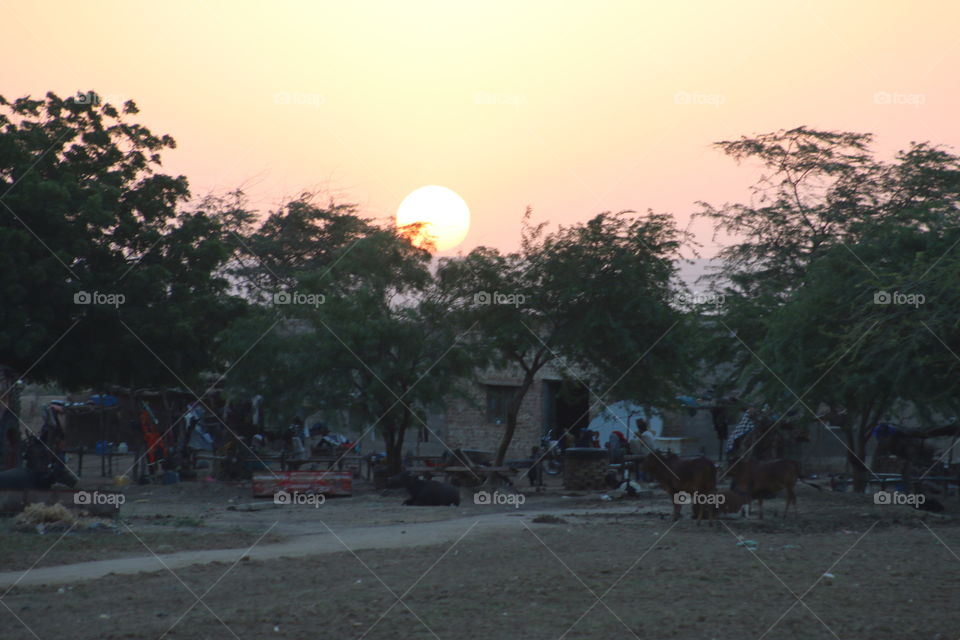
pixel 552 460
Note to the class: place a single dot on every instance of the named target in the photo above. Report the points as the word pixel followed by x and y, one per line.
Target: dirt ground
pixel 560 566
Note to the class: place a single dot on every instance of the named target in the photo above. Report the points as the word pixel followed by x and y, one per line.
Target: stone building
pixel 477 418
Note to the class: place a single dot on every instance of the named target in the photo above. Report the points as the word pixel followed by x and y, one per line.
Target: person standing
pixel 615 447
pixel 721 422
pixel 644 442
pixel 294 454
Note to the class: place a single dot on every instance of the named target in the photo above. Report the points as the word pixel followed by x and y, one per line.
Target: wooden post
pixel 103 437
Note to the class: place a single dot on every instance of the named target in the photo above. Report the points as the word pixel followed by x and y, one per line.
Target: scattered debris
pixel 56 518
pixel 630 489
pixel 251 507
pixel 41 517
pixel 549 519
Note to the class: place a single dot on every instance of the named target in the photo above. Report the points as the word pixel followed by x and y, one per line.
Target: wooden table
pixel 351 460
pixel 106 459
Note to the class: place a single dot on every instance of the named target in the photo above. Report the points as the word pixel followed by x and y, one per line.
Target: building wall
pixel 467 426
pixel 464 419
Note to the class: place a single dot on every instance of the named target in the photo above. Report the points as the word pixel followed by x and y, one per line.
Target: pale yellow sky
pixel 571 108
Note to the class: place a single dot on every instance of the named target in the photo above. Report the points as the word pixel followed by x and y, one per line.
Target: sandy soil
pixel 593 569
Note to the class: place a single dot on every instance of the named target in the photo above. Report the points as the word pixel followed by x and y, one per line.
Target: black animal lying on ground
pixel 425 493
pixel 22 478
pixel 42 469
pixel 931 504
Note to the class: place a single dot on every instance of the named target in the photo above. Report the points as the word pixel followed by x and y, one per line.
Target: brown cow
pixel 694 477
pixel 764 480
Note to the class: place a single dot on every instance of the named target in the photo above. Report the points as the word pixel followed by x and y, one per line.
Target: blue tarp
pixel 104 400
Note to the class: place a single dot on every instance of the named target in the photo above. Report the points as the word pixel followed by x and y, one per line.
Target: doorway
pixel 566 408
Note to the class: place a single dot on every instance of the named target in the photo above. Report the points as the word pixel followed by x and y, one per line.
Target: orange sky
pixel 571 108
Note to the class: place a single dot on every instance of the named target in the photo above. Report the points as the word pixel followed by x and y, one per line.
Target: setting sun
pixel 444 214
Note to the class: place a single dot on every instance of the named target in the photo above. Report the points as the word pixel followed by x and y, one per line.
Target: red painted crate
pixel 330 483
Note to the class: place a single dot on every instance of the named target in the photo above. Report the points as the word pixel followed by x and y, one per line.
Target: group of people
pixel 641 442
pixel 301 442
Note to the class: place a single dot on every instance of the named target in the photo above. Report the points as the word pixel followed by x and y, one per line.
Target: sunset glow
pixel 570 108
pixel 443 213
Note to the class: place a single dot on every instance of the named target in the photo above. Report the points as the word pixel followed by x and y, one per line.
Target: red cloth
pixel 151 437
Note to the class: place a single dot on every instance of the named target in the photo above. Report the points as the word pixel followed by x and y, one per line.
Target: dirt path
pixel 328 540
pixel 844 569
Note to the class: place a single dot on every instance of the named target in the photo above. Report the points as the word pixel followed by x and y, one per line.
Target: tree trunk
pixel 860 471
pixel 857 436
pixel 9 422
pixel 513 411
pixel 393 438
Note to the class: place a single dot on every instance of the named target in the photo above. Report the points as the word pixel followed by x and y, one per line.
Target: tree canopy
pixel 349 318
pixel 596 299
pixel 106 276
pixel 839 289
